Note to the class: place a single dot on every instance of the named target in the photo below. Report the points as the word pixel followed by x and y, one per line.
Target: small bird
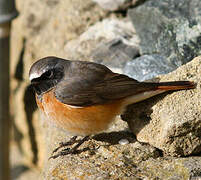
pixel 85 97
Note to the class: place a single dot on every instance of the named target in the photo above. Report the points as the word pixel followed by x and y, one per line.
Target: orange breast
pixel 79 121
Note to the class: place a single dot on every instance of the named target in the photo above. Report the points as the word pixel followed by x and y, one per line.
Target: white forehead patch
pixel 34 76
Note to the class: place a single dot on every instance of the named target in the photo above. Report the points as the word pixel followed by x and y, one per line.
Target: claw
pixel 64 144
pixel 73 150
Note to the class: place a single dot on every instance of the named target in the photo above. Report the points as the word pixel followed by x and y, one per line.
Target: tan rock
pixel 172 121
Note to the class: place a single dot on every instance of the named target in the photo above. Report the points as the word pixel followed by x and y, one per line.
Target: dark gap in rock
pixel 139 3
pixel 160 152
pixel 123 10
pixel 138 55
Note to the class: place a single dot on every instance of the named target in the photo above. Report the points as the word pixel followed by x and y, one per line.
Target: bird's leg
pixel 64 144
pixel 73 150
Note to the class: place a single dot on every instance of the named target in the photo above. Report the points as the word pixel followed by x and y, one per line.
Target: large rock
pixel 171 122
pixel 169 28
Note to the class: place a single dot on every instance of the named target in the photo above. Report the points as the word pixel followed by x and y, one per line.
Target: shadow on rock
pixel 30 107
pixel 114 137
pixel 18 170
pixel 142 118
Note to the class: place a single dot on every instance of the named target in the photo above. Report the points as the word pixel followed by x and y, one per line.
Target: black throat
pixel 44 84
pixel 42 87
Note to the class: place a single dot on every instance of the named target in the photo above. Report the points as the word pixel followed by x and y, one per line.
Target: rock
pixel 114 54
pixel 116 5
pixel 172 168
pixel 147 67
pixel 169 28
pixel 111 42
pixel 171 122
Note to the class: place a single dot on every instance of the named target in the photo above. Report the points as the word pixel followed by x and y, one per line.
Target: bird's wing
pixel 96 85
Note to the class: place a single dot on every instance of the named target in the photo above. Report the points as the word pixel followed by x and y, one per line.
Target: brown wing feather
pixel 84 92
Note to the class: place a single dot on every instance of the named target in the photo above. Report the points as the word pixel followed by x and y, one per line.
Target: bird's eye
pixel 49 74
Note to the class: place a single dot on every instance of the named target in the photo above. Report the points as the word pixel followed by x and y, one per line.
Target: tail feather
pixel 151 89
pixel 176 85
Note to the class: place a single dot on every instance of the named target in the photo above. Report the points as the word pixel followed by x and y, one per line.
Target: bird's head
pixel 46 73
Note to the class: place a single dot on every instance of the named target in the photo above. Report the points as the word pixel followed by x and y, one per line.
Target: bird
pixel 84 97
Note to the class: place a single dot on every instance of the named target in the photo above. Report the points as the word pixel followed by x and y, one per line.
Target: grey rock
pixel 171 122
pixel 114 53
pixel 170 28
pixel 147 67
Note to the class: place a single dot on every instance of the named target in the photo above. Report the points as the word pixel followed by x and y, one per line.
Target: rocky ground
pixel 141 38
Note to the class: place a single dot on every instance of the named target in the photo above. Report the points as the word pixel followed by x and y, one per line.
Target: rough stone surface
pixel 171 122
pixel 169 28
pixel 172 168
pixel 147 67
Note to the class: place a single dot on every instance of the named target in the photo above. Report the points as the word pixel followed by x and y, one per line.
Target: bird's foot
pixel 73 150
pixel 64 144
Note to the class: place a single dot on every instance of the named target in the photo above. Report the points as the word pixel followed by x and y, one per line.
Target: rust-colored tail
pixel 176 85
